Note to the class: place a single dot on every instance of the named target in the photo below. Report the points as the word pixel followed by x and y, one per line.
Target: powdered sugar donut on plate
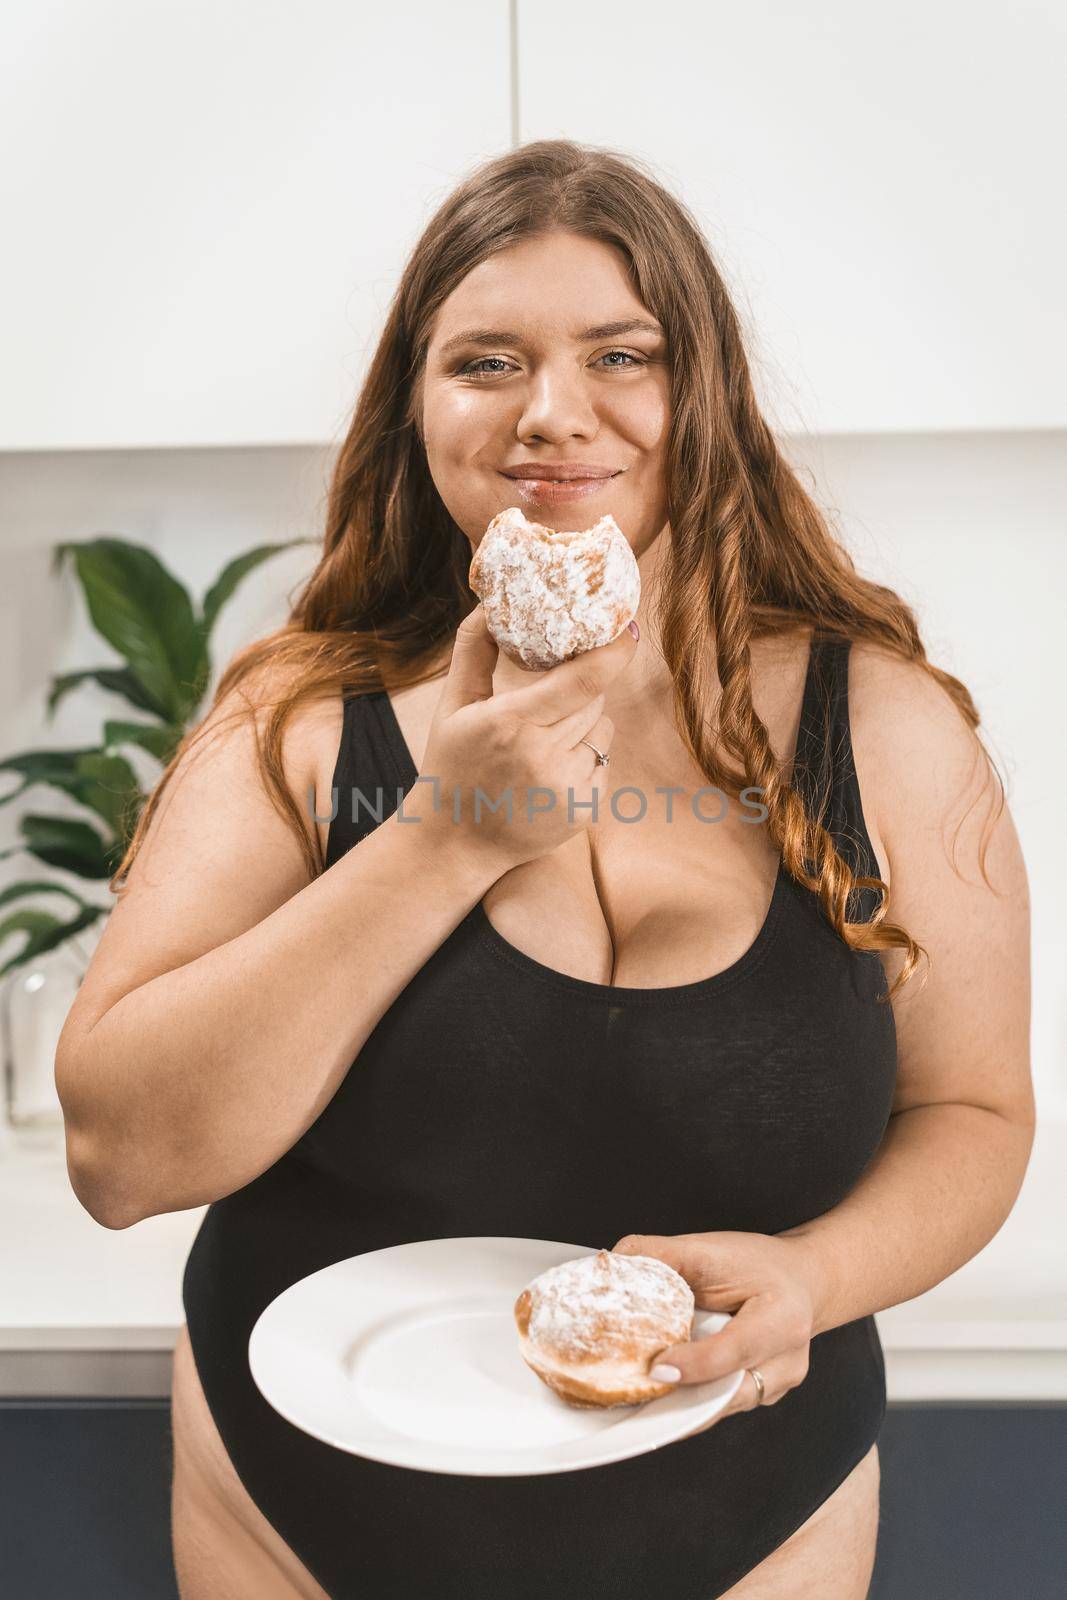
pixel 549 596
pixel 590 1327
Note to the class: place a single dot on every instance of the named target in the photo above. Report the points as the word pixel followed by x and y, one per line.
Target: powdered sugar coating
pixel 603 1305
pixel 551 595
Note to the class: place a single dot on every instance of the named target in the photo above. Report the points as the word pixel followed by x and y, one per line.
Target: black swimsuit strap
pixel 825 768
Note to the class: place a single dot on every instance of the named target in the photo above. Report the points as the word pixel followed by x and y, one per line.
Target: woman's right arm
pixel 229 995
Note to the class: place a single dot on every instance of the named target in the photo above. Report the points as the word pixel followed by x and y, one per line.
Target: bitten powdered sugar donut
pixel 590 1327
pixel 549 596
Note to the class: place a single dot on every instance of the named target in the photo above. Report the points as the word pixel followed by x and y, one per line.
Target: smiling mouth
pixel 535 491
pixel 536 477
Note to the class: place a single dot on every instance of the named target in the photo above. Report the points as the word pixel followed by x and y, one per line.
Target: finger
pixel 567 687
pixel 600 734
pixel 715 1266
pixel 755 1334
pixel 598 738
pixel 746 1399
pixel 780 1375
pixel 579 724
pixel 474 656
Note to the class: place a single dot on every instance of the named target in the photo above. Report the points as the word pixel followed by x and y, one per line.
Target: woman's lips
pixel 549 491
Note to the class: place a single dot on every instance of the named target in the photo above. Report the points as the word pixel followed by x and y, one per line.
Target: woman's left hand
pixel 766 1280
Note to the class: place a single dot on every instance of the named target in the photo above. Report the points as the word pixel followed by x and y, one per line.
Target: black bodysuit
pixel 555 1108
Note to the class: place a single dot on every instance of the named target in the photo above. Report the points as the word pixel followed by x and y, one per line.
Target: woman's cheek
pixel 646 416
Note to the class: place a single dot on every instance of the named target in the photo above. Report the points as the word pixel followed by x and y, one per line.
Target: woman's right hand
pixel 525 740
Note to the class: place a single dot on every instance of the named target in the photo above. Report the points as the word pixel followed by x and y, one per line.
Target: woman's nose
pixel 557 404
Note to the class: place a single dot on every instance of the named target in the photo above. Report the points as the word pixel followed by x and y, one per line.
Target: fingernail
pixel 665 1374
pixel 632 625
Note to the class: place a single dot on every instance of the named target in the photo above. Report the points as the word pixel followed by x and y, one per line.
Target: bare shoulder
pixel 919 762
pixel 220 772
pixel 218 855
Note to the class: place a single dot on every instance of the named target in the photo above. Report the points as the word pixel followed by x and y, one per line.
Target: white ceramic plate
pixel 410 1356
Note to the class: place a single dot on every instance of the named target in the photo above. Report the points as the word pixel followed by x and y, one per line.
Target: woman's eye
pixel 471 370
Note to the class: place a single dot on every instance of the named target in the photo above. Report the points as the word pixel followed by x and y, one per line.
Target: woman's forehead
pixel 559 283
pixel 515 308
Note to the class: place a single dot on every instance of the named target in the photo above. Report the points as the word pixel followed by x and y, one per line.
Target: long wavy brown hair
pixel 750 552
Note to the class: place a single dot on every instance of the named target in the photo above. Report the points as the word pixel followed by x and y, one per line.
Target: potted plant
pixel 142 610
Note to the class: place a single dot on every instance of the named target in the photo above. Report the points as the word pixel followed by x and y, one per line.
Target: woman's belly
pixel 830 1556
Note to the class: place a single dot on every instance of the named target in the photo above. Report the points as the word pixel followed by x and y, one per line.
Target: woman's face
pixel 520 371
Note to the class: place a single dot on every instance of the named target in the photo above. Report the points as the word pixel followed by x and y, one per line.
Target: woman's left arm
pixel 955 1153
pixel 953 1158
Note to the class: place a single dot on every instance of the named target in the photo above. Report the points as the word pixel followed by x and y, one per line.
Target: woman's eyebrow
pixel 487 337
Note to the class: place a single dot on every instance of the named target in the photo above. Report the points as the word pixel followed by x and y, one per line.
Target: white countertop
pixel 90 1310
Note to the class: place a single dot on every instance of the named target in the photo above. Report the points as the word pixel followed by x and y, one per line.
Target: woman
pixel 700 1043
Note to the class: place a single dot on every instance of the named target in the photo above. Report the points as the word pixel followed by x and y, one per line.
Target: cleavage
pixel 612 907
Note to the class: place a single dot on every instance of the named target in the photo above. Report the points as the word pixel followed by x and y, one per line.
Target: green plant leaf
pixel 232 575
pixel 142 609
pixel 110 788
pixel 74 846
pixel 119 680
pixel 16 891
pixel 97 779
pixel 44 932
pixel 57 767
pixel 160 739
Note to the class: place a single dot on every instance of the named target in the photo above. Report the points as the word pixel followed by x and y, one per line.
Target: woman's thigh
pixel 224 1548
pixel 829 1557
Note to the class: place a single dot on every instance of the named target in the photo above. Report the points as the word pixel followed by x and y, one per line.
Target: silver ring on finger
pixel 601 759
pixel 757 1376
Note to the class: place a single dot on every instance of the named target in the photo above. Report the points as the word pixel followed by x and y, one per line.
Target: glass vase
pixel 34 1003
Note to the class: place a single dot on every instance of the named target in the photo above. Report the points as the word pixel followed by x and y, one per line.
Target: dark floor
pixel 973 1502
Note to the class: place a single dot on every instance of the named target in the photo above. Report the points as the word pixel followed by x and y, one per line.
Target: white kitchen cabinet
pixel 880 184
pixel 206 206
